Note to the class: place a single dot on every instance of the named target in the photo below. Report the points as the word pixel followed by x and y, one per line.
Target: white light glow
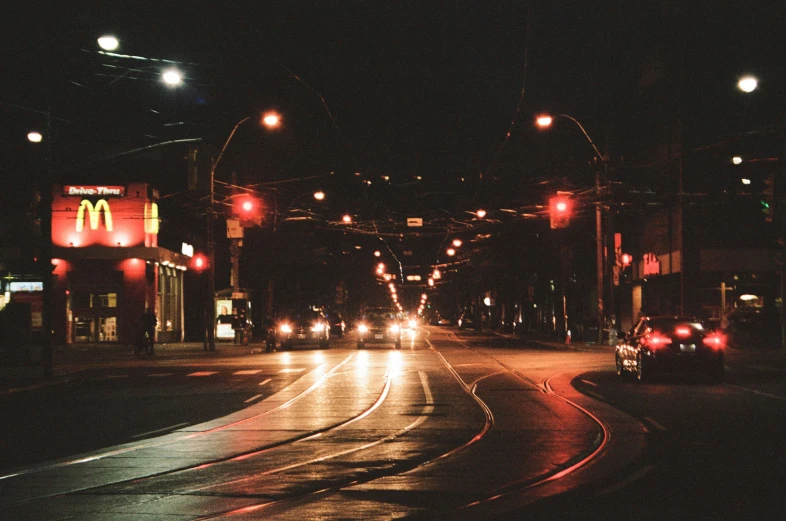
pixel 736 160
pixel 172 77
pixel 746 181
pixel 34 137
pixel 108 43
pixel 747 84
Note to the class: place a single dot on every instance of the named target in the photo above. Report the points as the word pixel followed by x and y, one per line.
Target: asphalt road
pixel 453 426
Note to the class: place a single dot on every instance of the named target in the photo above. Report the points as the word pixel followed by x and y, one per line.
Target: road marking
pixel 593 384
pixel 596 396
pixel 627 481
pixel 159 375
pixel 202 373
pixel 655 424
pixel 293 370
pixel 248 371
pixel 264 382
pixel 171 427
pixel 253 398
pixel 768 395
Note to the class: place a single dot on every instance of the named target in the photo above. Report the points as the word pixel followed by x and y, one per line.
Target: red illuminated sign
pixel 651 264
pixel 94 190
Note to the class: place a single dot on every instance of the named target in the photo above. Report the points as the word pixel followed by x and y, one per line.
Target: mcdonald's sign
pixel 151 218
pixel 94 214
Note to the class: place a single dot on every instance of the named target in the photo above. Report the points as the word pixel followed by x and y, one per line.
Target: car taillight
pixel 363 328
pixel 656 340
pixel 286 328
pixel 682 332
pixel 319 326
pixel 394 328
pixel 715 340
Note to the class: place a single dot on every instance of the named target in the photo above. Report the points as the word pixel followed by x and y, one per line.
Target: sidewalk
pixel 69 359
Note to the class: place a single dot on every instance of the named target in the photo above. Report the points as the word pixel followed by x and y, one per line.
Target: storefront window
pixel 103 300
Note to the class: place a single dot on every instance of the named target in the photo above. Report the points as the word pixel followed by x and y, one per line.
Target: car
pixel 337 325
pixel 379 326
pixel 468 321
pixel 302 327
pixel 665 344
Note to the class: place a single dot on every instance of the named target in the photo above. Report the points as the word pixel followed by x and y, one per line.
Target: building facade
pixel 108 268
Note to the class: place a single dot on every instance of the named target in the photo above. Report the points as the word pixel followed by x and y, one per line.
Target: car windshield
pixel 305 316
pixel 677 325
pixel 380 316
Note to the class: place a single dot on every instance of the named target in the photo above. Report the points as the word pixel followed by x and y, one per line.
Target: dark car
pixel 302 327
pixel 468 321
pixel 337 325
pixel 379 326
pixel 668 344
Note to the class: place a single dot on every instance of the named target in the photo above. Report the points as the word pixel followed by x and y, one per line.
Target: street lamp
pixel 747 83
pixel 545 121
pixel 210 340
pixel 108 42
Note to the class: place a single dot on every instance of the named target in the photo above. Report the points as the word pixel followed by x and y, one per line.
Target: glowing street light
pixel 451 252
pixel 319 195
pixel 172 77
pixel 436 275
pixel 736 160
pixel 748 83
pixel 346 219
pixel 457 243
pixel 108 43
pixel 544 121
pixel 34 137
pixel 481 213
pixel 271 119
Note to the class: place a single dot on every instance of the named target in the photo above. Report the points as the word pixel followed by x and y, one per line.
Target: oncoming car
pixel 303 327
pixel 379 326
pixel 670 344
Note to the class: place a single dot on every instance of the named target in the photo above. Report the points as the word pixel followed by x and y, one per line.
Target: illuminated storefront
pixel 108 267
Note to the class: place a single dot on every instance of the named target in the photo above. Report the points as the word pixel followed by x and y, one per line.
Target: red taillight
pixel 715 341
pixel 656 340
pixel 682 332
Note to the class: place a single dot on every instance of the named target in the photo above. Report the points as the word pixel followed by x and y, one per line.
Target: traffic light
pixel 560 208
pixel 199 263
pixel 626 259
pixel 768 198
pixel 249 211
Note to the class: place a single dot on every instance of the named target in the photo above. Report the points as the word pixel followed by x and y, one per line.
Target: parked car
pixel 670 344
pixel 468 321
pixel 379 326
pixel 302 327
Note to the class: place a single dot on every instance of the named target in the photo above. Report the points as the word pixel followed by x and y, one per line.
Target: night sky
pixel 435 95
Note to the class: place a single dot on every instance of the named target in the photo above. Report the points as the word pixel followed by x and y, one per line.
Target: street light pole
pixel 600 177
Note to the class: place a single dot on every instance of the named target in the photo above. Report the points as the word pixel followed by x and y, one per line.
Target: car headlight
pixel 319 326
pixel 394 328
pixel 286 328
pixel 413 323
pixel 363 328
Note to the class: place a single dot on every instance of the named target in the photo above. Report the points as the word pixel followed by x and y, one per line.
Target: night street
pixel 431 260
pixel 453 426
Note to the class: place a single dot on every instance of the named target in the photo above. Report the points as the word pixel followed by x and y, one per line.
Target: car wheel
pixel 643 369
pixel 360 345
pixel 324 345
pixel 398 345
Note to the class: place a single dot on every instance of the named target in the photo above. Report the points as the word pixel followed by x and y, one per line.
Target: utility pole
pixel 599 251
pixel 210 331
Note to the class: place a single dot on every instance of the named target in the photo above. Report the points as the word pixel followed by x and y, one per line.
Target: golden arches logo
pixel 94 213
pixel 151 218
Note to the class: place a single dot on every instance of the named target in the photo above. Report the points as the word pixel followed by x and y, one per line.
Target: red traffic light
pixel 560 209
pixel 249 210
pixel 199 262
pixel 626 259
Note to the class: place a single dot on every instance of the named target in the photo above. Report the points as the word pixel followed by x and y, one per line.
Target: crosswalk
pixel 207 374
